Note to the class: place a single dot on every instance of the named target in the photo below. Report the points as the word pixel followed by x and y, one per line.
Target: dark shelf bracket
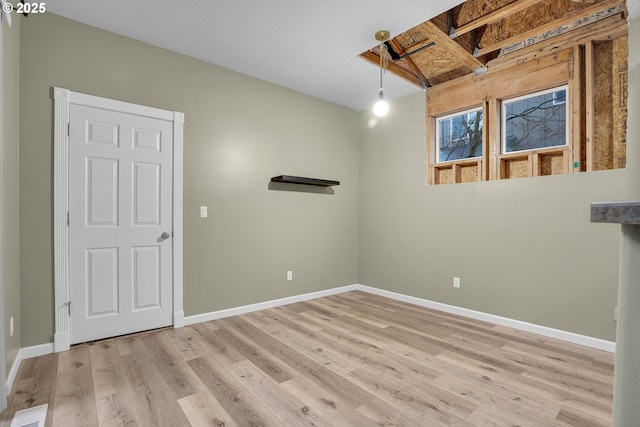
pixel 289 179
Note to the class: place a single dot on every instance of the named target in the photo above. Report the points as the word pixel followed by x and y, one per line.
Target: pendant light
pixel 381 107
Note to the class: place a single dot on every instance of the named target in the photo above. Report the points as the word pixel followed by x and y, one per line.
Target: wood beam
pixel 394 68
pixel 590 86
pixel 607 29
pixel 432 31
pixel 494 16
pixel 397 47
pixel 565 20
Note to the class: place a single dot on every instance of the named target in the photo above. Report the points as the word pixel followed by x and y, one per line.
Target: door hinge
pixel 68 129
pixel 67 219
pixel 68 304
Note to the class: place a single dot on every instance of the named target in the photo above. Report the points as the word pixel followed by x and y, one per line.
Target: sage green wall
pixel 239 132
pixel 10 187
pixel 523 248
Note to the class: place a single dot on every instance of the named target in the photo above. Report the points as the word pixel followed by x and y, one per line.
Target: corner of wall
pixel 9 166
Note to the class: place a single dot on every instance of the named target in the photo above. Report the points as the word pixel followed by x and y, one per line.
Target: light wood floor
pixel 352 359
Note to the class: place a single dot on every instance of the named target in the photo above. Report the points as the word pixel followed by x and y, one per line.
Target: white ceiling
pixel 633 6
pixel 308 46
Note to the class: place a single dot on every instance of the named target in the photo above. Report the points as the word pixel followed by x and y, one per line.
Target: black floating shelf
pixel 307 181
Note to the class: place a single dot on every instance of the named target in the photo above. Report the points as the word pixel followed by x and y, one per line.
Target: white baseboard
pixel 498 320
pixel 11 375
pixel 478 315
pixel 25 353
pixel 37 350
pixel 205 317
pixel 40 350
pixel 178 319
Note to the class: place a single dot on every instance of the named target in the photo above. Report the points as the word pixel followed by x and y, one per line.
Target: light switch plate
pixel 203 212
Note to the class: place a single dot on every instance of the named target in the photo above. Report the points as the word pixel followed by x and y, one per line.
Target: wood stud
pixel 569 59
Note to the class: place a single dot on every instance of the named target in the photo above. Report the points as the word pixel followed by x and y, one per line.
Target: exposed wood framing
pixel 493 124
pixel 431 147
pixel 590 84
pixel 568 22
pixel 440 37
pixel 395 68
pixel 527 46
pixel 607 29
pixel 397 47
pixel 576 111
pixel 466 92
pixel 494 16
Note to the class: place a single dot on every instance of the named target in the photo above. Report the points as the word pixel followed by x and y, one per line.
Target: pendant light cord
pixel 384 60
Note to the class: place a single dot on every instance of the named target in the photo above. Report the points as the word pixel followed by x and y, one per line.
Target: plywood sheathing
pixel 610 111
pixel 620 89
pixel 544 12
pixel 516 168
pixel 519 25
pixel 444 176
pixel 569 23
pixel 468 173
pixel 551 164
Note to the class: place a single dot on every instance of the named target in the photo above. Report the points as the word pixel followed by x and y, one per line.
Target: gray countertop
pixel 627 212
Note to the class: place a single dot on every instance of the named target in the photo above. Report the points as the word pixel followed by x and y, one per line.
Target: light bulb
pixel 381 108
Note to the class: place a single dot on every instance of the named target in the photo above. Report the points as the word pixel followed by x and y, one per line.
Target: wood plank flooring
pixel 354 359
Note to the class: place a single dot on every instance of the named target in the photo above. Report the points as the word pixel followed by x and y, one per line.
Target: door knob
pixel 165 235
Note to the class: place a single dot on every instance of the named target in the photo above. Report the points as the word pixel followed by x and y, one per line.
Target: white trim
pixel 60 208
pixel 178 313
pixel 498 320
pixel 205 317
pixel 476 109
pixel 36 350
pixel 503 120
pixel 40 350
pixel 63 98
pixel 587 341
pixel 13 372
pixel 25 353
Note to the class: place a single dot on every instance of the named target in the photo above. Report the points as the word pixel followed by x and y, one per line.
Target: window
pixel 535 121
pixel 551 114
pixel 459 135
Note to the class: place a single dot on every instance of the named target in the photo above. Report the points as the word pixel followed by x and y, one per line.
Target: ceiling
pixel 478 35
pixel 310 47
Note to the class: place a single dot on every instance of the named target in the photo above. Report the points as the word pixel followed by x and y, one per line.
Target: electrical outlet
pixel 289 275
pixel 203 212
pixel 11 326
pixel 456 282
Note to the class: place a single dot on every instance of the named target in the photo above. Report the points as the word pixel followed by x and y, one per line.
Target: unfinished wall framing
pixel 594 71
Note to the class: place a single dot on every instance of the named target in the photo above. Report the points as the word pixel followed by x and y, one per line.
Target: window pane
pixel 460 136
pixel 535 122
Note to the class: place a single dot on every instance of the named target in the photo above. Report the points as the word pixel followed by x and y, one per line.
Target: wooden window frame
pixel 489 91
pixel 574 61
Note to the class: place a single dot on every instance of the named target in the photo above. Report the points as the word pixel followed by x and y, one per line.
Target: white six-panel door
pixel 120 223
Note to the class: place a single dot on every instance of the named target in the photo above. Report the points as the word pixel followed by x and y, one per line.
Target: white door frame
pixel 63 98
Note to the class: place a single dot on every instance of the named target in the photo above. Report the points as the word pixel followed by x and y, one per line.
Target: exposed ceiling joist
pixel 393 67
pixel 578 17
pixel 493 35
pixel 432 31
pixel 494 16
pixel 397 47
